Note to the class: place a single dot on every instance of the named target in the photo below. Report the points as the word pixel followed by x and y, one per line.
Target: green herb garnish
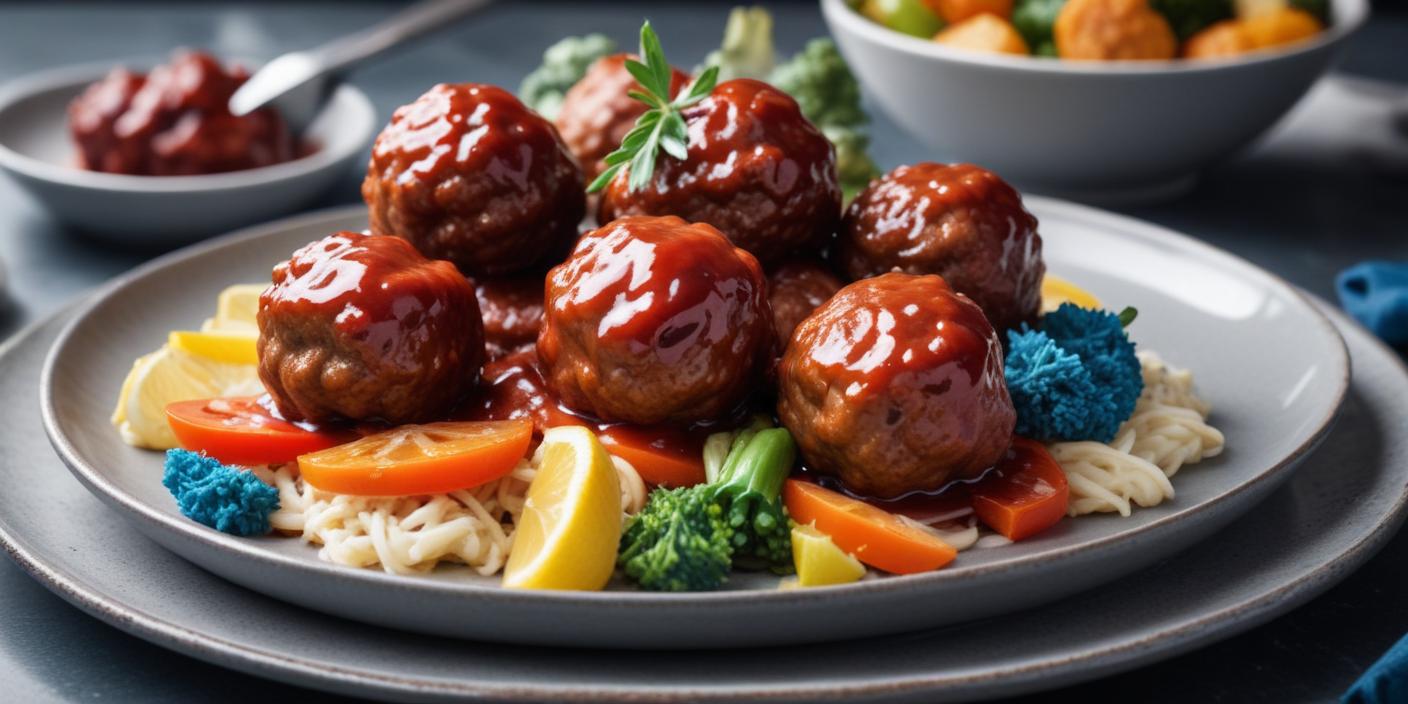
pixel 660 127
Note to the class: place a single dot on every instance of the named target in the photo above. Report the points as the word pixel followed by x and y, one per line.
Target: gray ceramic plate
pixel 1199 307
pixel 1319 527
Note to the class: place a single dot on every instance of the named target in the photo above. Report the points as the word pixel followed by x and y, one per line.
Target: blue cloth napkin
pixel 1376 294
pixel 1385 682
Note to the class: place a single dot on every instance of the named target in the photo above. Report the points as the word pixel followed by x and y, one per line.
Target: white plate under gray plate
pixel 165 211
pixel 1307 536
pixel 1273 367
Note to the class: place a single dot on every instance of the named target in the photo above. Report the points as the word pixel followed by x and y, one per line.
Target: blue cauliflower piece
pixel 1099 339
pixel 228 499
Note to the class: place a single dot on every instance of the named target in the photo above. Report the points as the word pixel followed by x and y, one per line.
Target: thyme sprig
pixel 660 127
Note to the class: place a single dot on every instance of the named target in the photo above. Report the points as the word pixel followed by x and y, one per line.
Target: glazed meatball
pixel 363 328
pixel 756 170
pixel 597 112
pixel 959 221
pixel 795 289
pixel 512 307
pixel 655 320
pixel 174 121
pixel 468 174
pixel 895 385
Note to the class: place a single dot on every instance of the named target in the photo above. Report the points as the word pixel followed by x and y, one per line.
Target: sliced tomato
pixel 420 459
pixel 242 431
pixel 876 537
pixel 1025 494
pixel 662 457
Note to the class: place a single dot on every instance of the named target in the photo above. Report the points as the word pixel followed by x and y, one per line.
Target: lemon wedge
pixel 1056 290
pixel 237 309
pixel 167 376
pixel 819 562
pixel 570 528
pixel 224 346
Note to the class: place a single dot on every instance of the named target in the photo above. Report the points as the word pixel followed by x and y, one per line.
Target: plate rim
pixel 94 480
pixel 1244 614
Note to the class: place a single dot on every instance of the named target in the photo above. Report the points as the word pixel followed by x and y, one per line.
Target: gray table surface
pixel 1328 188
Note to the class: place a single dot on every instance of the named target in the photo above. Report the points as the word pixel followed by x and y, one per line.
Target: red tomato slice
pixel 1025 494
pixel 241 431
pixel 411 460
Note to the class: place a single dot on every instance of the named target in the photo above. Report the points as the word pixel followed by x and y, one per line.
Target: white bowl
pixel 1125 130
pixel 164 211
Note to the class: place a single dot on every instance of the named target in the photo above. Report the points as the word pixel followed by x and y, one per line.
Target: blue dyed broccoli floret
pixel 1076 378
pixel 228 499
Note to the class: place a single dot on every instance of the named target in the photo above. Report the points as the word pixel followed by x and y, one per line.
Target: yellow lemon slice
pixel 571 524
pixel 237 309
pixel 819 562
pixel 1056 290
pixel 167 376
pixel 225 346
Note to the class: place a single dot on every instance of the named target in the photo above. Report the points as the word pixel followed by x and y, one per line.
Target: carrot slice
pixel 420 459
pixel 876 537
pixel 668 458
pixel 1025 494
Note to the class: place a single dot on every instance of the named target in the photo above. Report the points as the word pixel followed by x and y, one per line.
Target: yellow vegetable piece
pixel 237 309
pixel 1252 8
pixel 1056 290
pixel 984 33
pixel 1222 39
pixel 1279 27
pixel 226 347
pixel 819 562
pixel 167 376
pixel 571 524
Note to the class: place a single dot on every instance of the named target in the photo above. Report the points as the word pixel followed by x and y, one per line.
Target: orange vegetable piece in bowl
pixel 988 33
pixel 1222 39
pixel 1103 30
pixel 955 11
pixel 1286 25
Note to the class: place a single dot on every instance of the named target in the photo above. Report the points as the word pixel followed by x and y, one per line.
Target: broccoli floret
pixel 747 50
pixel 1076 378
pixel 1034 20
pixel 678 542
pixel 228 499
pixel 1188 17
pixel 854 167
pixel 687 539
pixel 564 63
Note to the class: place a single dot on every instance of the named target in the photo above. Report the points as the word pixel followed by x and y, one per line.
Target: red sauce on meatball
pixel 174 121
pixel 756 169
pixel 363 328
pixel 512 307
pixel 469 174
pixel 655 320
pixel 797 288
pixel 513 388
pixel 896 385
pixel 598 111
pixel 959 221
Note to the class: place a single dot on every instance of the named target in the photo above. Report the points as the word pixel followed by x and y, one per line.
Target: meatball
pixel 363 328
pixel 895 385
pixel 959 221
pixel 655 320
pixel 597 112
pixel 756 170
pixel 795 289
pixel 174 121
pixel 1113 29
pixel 468 174
pixel 512 307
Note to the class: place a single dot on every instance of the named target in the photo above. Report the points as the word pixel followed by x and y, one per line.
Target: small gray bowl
pixel 165 211
pixel 1107 131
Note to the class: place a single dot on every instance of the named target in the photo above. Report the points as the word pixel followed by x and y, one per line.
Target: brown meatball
pixel 795 289
pixel 468 174
pixel 655 320
pixel 959 221
pixel 363 328
pixel 756 169
pixel 895 385
pixel 174 121
pixel 597 112
pixel 512 307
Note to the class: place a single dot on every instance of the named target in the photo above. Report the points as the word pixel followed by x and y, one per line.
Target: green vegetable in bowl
pixel 1034 20
pixel 1188 17
pixel 908 16
pixel 564 63
pixel 688 539
pixel 829 95
pixel 747 50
